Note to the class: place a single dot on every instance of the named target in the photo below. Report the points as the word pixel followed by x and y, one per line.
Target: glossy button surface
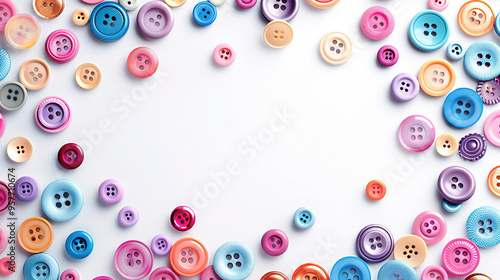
pixel 175 3
pixel 489 91
pixel 88 76
pixel 304 218
pixel 70 156
pixel 130 5
pixel 109 21
pixel 376 190
pixel 41 267
pixel 161 245
pixel 19 149
pixel 8 9
pixel 155 20
pixel 278 34
pixel 456 184
pixel 62 200
pixel 436 77
pixel 128 216
pixel 142 62
pixel 6 198
pixel 79 244
pixel 271 275
pixel 434 272
pixel 274 242
pixel 26 189
pixel 133 260
pixel 404 87
pixel 7 267
pixel 182 218
pixel 35 235
pixel 377 23
pixel 52 114
pixel 204 13
pixel 245 4
pixel 62 46
pixel 234 260
pixel 335 48
pixel 209 274
pixel 284 10
pixel 402 269
pixel 374 243
pixel 416 133
pixel 13 96
pixel 70 274
pixel 411 249
pixel 429 30
pixel 188 257
pixel 22 31
pixel 164 273
pixel 446 144
pixel 430 226
pixel 476 18
pixel 450 207
pixel 494 181
pixel 438 5
pixel 48 9
pixel 462 107
pixel 110 191
pixel 472 147
pixel 80 16
pixel 460 257
pixel 34 74
pixel 483 226
pixel 478 276
pixel 309 271
pixel 322 4
pixel 350 268
pixel 224 54
pixel 2 124
pixel 482 60
pixel 455 51
pixel 387 56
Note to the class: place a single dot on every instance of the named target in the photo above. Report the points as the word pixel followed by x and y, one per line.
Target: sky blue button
pixel 62 200
pixel 234 260
pixel 204 13
pixel 429 30
pixel 41 267
pixel 350 268
pixel 463 107
pixel 455 51
pixel 5 63
pixel 79 244
pixel 451 207
pixel 109 21
pixel 497 24
pixel 482 60
pixel 304 218
pixel 483 226
pixel 396 267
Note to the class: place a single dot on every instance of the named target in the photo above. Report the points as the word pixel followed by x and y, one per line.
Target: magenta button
pixel 274 242
pixel 182 218
pixel 2 124
pixel 163 273
pixel 209 274
pixel 133 260
pixel 377 23
pixel 387 56
pixel 155 19
pixel 416 133
pixel 246 4
pixel 62 46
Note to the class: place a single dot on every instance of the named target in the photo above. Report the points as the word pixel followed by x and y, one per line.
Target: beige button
pixel 476 18
pixel 88 76
pixel 478 276
pixel 19 149
pixel 34 74
pixel 278 34
pixel 335 48
pixel 80 16
pixel 48 9
pixel 175 3
pixel 446 145
pixel 411 249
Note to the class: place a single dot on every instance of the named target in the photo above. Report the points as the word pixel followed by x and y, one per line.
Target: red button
pixel 70 156
pixel 182 218
pixel 142 62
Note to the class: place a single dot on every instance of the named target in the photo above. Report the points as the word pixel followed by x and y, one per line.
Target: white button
pixel 130 5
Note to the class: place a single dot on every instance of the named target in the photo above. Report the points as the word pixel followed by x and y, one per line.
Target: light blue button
pixel 62 200
pixel 304 218
pixel 79 244
pixel 109 21
pixel 483 226
pixel 429 30
pixel 41 267
pixel 455 51
pixel 482 60
pixel 350 268
pixel 463 107
pixel 204 13
pixel 451 207
pixel 5 63
pixel 497 24
pixel 234 260
pixel 396 270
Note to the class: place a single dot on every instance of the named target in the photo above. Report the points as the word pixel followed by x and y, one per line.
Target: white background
pixel 190 118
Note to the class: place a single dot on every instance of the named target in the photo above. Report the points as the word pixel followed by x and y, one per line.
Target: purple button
pixel 246 4
pixel 52 114
pixel 62 46
pixel 128 216
pixel 404 87
pixel 161 245
pixel 164 273
pixel 110 191
pixel 489 91
pixel 26 189
pixel 284 10
pixel 456 184
pixel 155 20
pixel 387 55
pixel 374 243
pixel 209 274
pixel 472 147
pixel 416 133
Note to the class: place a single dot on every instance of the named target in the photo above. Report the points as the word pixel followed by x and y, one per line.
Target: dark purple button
pixel 456 184
pixel 182 218
pixel 70 156
pixel 387 56
pixel 404 87
pixel 155 19
pixel 374 243
pixel 26 189
pixel 279 9
pixel 472 147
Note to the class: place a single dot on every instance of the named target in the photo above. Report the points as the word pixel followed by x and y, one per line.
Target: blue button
pixel 402 269
pixel 483 226
pixel 304 218
pixel 234 260
pixel 451 207
pixel 482 60
pixel 79 244
pixel 455 51
pixel 62 200
pixel 429 30
pixel 109 21
pixel 5 63
pixel 497 24
pixel 350 268
pixel 204 13
pixel 463 107
pixel 41 267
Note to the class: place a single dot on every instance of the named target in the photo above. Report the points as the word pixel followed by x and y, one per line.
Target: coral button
pixel 182 218
pixel 376 190
pixel 322 4
pixel 335 48
pixel 416 133
pixel 460 257
pixel 309 271
pixel 142 62
pixel 34 74
pixel 48 9
pixel 70 156
pixel 7 267
pixel 494 181
pixel 133 260
pixel 278 34
pixel 377 23
pixel 88 76
pixel 8 9
pixel 188 257
pixel 62 46
pixel 476 18
pixel 436 77
pixel 19 149
pixel 80 17
pixel 446 145
pixel 430 226
pixel 411 249
pixel 35 235
pixel 22 31
pixel 273 275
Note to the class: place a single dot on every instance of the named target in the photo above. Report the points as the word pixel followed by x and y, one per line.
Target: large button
pixel 472 147
pixel 142 62
pixel 182 218
pixel 387 55
pixel 450 207
pixel 12 96
pixel 8 9
pixel 133 260
pixel 70 156
pixel 436 77
pixel 483 226
pixel 224 55
pixel 22 31
pixel 309 271
pixel 404 87
pixel 26 189
pixel 34 74
pixel 411 249
pixel 446 144
pixel 128 216
pixel 456 184
pixel 62 45
pixel 70 274
pixel 79 244
pixel 272 275
pixel 478 276
pixel 244 4
pixel 204 13
pixel 416 133
pixel 481 60
pixel 304 218
pixel 284 10
pixel 374 243
pixel 489 91
pixel 88 76
pixel 188 257
pixel 274 242
pixel 7 267
pixel 438 5
pixel 278 34
pixel 35 235
pixel 6 198
pixel 176 3
pixel 494 181
pixel 322 4
pixel 5 62
pixel 41 267
pixel 462 107
pixel 103 278
pixel 3 239
pixel 434 272
pixel 62 200
pixel 429 30
pixel 460 257
pixel 110 191
pixel 109 21
pixel 455 50
pixel 52 114
pixel 164 273
pixel 48 9
pixel 19 149
pixel 377 23
pixel 234 260
pixel 335 48
pixel 397 269
pixel 161 245
pixel 130 5
pixel 80 16
pixel 476 18
pixel 155 20
pixel 430 226
pixel 350 268
pixel 209 274
pixel 376 190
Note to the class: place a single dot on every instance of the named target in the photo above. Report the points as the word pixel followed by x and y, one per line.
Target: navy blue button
pixel 483 226
pixel 482 60
pixel 62 200
pixel 429 30
pixel 451 207
pixel 304 218
pixel 350 268
pixel 204 13
pixel 397 269
pixel 463 107
pixel 234 260
pixel 41 267
pixel 79 244
pixel 109 21
pixel 5 63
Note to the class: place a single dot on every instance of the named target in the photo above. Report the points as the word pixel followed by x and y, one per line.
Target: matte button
pixel 34 74
pixel 462 107
pixel 188 257
pixel 335 48
pixel 35 235
pixel 70 156
pixel 111 191
pixel 155 20
pixel 483 226
pixel 26 189
pixel 274 242
pixel 13 96
pixel 376 190
pixel 377 23
pixel 80 17
pixel 48 9
pixel 22 31
pixel 133 260
pixel 128 216
pixel 446 144
pixel 224 55
pixel 482 60
pixel 161 245
pixel 19 149
pixel 404 87
pixel 402 269
pixel 436 77
pixel 411 249
pixel 278 34
pixel 304 218
pixel 62 200
pixel 234 260
pixel 476 18
pixel 41 267
pixel 88 76
pixel 460 257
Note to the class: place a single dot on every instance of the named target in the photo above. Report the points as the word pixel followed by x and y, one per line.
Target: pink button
pixel 430 226
pixel 182 218
pixel 377 23
pixel 209 274
pixel 492 128
pixel 62 46
pixel 438 5
pixel 2 124
pixel 163 273
pixel 70 274
pixel 142 62
pixel 434 272
pixel 460 257
pixel 246 4
pixel 133 260
pixel 416 133
pixel 274 242
pixel 224 55
pixel 7 267
pixel 7 10
pixel 92 1
pixel 3 239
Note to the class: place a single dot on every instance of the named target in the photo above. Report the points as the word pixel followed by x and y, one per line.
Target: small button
pixel 109 21
pixel 245 4
pixel 110 192
pixel 8 9
pixel 182 218
pixel 446 145
pixel 70 274
pixel 22 31
pixel 6 198
pixel 430 226
pixel 26 189
pixel 456 184
pixel 454 50
pixel 387 56
pixel 41 266
pixel 13 96
pixel 79 244
pixel 204 13
pixel 436 77
pixel 133 260
pixel 7 267
pixel 3 238
pixel 34 74
pixel 88 76
pixel 188 257
pixel 80 17
pixel 164 273
pixel 5 62
pixel 472 147
pixel 274 242
pixel 494 181
pixel 462 107
pixel 70 156
pixel 130 5
pixel 429 30
pixel 284 10
pixel 224 55
pixel 217 2
pixel 278 34
pixel 478 276
pixel 434 272
pixel 350 268
pixel 450 207
pixel 128 216
pixel 374 243
pixel 310 271
pixel 142 62
pixel 377 23
pixel 416 133
pixel 322 4
pixel 272 275
pixel 35 235
pixel 483 226
pixel 209 274
pixel 304 218
pixel 155 20
pixel 161 245
pixel 402 269
pixel 62 200
pixel 48 9
pixel 460 257
pixel 335 48
pixel 404 87
pixel 19 149
pixel 476 18
pixel 52 114
pixel 175 3
pixel 376 190
pixel 62 45
pixel 481 60
pixel 438 5
pixel 489 91
pixel 234 260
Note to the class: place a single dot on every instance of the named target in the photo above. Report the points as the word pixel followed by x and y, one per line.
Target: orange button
pixel 88 76
pixel 478 276
pixel 80 16
pixel 322 4
pixel 310 271
pixel 19 149
pixel 436 77
pixel 48 9
pixel 476 18
pixel 274 275
pixel 335 48
pixel 411 249
pixel 376 190
pixel 175 3
pixel 34 74
pixel 494 181
pixel 446 145
pixel 35 235
pixel 197 253
pixel 278 34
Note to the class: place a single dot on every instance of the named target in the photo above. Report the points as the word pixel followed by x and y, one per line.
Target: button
pixel 478 276
pixel 163 273
pixel 182 218
pixel 8 9
pixel 476 18
pixel 130 5
pixel 462 107
pixel 103 278
pixel 245 4
pixel 304 218
pixel 204 13
pixel 411 249
pixel 481 60
pixel 2 124
pixel 70 274
pixel 161 245
pixel 209 274
pixel 79 244
pixel 272 275
pixel 6 198
pixel 88 76
pixel 92 1
pixel 377 23
pixel 142 62
pixel 41 267
pixel 322 4
pixel 309 271
pixel 497 25
pixel 429 30
pixel 70 156
pixel 188 257
pixel 402 269
pixel 12 96
pixel 26 189
pixel 350 268
pixel 456 184
pixel 284 10
pixel 436 77
pixel 234 260
pixel 34 74
pixel 52 114
pixel 494 181
pixel 133 260
pixel 335 48
pixel 404 87
pixel 387 56
pixel 374 243
pixel 278 34
pixel 19 149
pixel 109 21
pixel 430 226
pixel 80 16
pixel 376 190
pixel 110 192
pixel 472 147
pixel 175 3
pixel 3 239
pixel 62 45
pixel 416 133
pixel 460 257
pixel 35 235
pixel 128 216
pixel 446 144
pixel 7 267
pixel 483 226
pixel 438 5
pixel 22 31
pixel 224 55
pixel 5 62
pixel 489 91
pixel 62 200
pixel 48 9
pixel 155 20
pixel 434 272
pixel 217 2
pixel 274 242
pixel 454 50
pixel 450 207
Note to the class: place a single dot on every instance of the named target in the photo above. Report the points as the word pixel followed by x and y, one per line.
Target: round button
pixel 476 18
pixel 6 198
pixel 80 17
pixel 26 189
pixel 133 260
pixel 79 244
pixel 335 48
pixel 472 147
pixel 217 2
pixel 436 77
pixel 142 62
pixel 92 1
pixel 128 216
pixel 52 114
pixel 34 74
pixel 62 45
pixel 109 21
pixel 7 267
pixel 188 257
pixel 322 4
pixel 70 274
pixel 12 96
pixel 35 235
pixel 494 181
pixel 224 55
pixel 450 207
pixel 163 273
pixel 155 20
pixel 309 271
pixel 88 76
pixel 246 4
pixel 438 5
pixel 8 9
pixel 429 30
pixel 387 56
pixel 70 156
pixel 175 3
pixel 272 275
pixel 2 124
pixel 411 249
pixel 456 184
pixel 103 278
pixel 350 268
pixel 62 200
pixel 22 31
pixel 182 218
pixel 478 276
pixel 454 50
pixel 204 13
pixel 460 257
pixel 161 245
pixel 483 226
pixel 3 239
pixel 462 107
pixel 209 274
pixel 416 133
pixel 5 61
pixel 430 226
pixel 48 9
pixel 374 243
pixel 489 91
pixel 110 192
pixel 402 269
pixel 278 34
pixel 377 23
pixel 481 60
pixel 234 260
pixel 279 10
pixel 304 218
pixel 19 149
pixel 404 87
pixel 446 144
pixel 130 5
pixel 274 242
pixel 497 25
pixel 376 190
pixel 41 266
pixel 434 272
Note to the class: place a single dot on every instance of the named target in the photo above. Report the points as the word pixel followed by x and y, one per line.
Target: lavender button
pixel 279 9
pixel 26 189
pixel 53 114
pixel 404 87
pixel 155 20
pixel 456 184
pixel 472 147
pixel 161 245
pixel 374 243
pixel 110 192
pixel 128 216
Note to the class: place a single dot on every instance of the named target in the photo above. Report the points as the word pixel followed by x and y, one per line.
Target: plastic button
pixel 3 239
pixel 497 25
pixel 103 278
pixel 35 235
pixel 483 226
pixel 52 114
pixel 274 242
pixel 494 181
pixel 26 189
pixel 12 96
pixel 79 244
pixel 476 18
pixel 182 218
pixel 279 10
pixel 434 272
pixel 188 257
pixel 456 184
pixel 234 260
pixel 62 46
pixel 19 149
pixel 130 5
pixel 350 268
pixel 8 9
pixel 164 273
pixel 374 243
pixel 416 133
pixel 217 2
pixel 404 87
pixel 41 267
pixel 446 145
pixel 34 74
pixel 109 21
pixel 128 216
pixel 430 226
pixel 450 207
pixel 387 56
pixel 204 13
pixel 429 30
pixel 209 274
pixel 7 267
pixel 70 156
pixel 70 274
pixel 278 34
pixel 438 5
pixel 142 62
pixel 5 61
pixel 309 271
pixel 175 3
pixel 161 245
pixel 110 192
pixel 224 55
pixel 436 77
pixel 2 124
pixel 478 276
pixel 472 147
pixel 462 107
pixel 22 31
pixel 410 248
pixel 454 50
pixel 62 200
pixel 460 257
pixel 481 60
pixel 6 198
pixel 155 20
pixel 48 9
pixel 377 23
pixel 304 218
pixel 246 4
pixel 335 48
pixel 88 76
pixel 322 4
pixel 376 190
pixel 133 260
pixel 396 267
pixel 92 1
pixel 80 17
pixel 489 91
